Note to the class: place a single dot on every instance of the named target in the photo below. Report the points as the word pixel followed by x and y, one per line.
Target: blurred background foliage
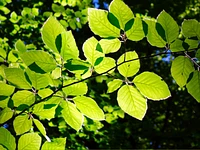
pixel 173 123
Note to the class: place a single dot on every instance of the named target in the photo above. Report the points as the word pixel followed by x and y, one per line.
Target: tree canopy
pixel 125 75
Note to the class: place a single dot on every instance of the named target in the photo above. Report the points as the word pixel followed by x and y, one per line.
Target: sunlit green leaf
pixel 192 43
pixel 177 46
pixel 75 89
pixel 152 36
pixel 16 76
pixel 29 141
pixel 106 64
pixel 181 69
pixel 5 114
pixel 22 124
pixel 56 144
pixel 191 28
pixel 152 86
pixel 132 102
pixel 68 48
pixel 20 46
pixel 121 11
pixel 100 25
pixel 4 101
pixel 44 92
pixel 5 89
pixel 50 30
pixel 114 85
pixel 2 53
pixel 46 110
pixel 38 80
pixel 41 128
pixel 90 52
pixel 169 25
pixel 136 32
pixel 89 108
pixel 7 139
pixel 110 45
pixel 193 86
pixel 39 61
pixel 23 97
pixel 130 68
pixel 71 115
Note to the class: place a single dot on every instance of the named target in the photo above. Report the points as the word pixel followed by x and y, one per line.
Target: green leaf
pixel 4 101
pixel 110 45
pixel 7 139
pixel 23 97
pixel 191 28
pixel 75 89
pixel 5 89
pixel 77 66
pixel 50 30
pixel 120 10
pixel 192 43
pixel 181 69
pixel 41 128
pixel 3 53
pixel 5 114
pixel 46 110
pixel 198 54
pixel 106 64
pixel 22 124
pixel 90 52
pixel 136 32
pixel 152 36
pixel 29 141
pixel 68 47
pixel 20 46
pixel 71 115
pixel 100 25
pixel 177 46
pixel 89 108
pixel 152 86
pixel 169 25
pixel 113 20
pixel 16 76
pixel 193 86
pixel 39 61
pixel 130 68
pixel 56 144
pixel 38 80
pixel 114 85
pixel 44 93
pixel 132 102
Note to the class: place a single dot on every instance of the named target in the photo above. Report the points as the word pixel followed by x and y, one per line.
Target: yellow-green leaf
pixel 132 102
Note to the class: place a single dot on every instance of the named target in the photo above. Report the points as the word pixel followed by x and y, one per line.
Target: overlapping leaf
pixel 89 108
pixel 39 61
pixel 121 11
pixel 191 28
pixel 171 28
pixel 5 114
pixel 57 143
pixel 71 115
pixel 132 102
pixel 152 86
pixel 17 77
pixel 181 69
pixel 100 25
pixel 193 86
